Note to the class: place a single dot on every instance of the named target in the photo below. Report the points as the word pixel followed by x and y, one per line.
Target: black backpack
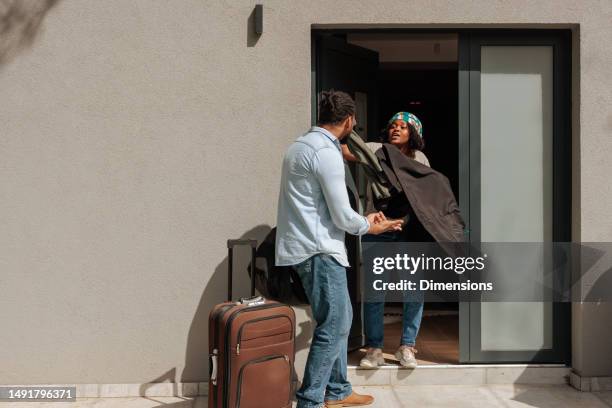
pixel 280 283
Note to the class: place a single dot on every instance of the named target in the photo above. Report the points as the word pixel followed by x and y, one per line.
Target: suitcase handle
pixel 247 241
pixel 253 301
pixel 231 243
pixel 213 375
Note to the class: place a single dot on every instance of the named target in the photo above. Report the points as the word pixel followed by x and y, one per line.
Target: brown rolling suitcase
pixel 251 343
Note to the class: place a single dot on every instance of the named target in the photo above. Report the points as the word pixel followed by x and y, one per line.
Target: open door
pixel 514 107
pixel 352 69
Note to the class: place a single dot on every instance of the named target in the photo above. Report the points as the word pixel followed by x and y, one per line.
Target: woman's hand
pixel 346 153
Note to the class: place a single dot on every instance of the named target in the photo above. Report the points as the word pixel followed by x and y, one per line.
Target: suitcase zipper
pixel 259 320
pixel 260 360
pixel 217 317
pixel 228 355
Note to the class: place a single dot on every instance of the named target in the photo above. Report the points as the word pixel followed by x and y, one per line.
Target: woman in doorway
pixel 404 130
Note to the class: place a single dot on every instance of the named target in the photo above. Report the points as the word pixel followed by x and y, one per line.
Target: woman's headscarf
pixel 408 118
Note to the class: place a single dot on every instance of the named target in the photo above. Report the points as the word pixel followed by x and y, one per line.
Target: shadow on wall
pixel 20 22
pixel 184 402
pixel 168 376
pixel 252 37
pixel 303 337
pixel 196 354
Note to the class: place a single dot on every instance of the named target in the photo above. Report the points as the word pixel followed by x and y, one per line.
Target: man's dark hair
pixel 334 107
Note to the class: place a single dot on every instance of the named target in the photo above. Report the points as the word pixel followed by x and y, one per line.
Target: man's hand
pixel 379 224
pixel 375 218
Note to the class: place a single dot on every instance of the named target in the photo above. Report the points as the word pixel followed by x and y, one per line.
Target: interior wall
pixel 402 47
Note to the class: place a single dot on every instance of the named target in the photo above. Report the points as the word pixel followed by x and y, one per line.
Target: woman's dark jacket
pixel 428 192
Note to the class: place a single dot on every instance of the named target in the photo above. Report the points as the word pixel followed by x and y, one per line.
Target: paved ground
pixel 454 396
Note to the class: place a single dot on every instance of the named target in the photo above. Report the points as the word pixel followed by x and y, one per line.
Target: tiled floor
pixel 437 342
pixel 428 396
pixel 490 396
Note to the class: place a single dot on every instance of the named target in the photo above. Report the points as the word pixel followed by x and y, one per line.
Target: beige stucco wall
pixel 138 135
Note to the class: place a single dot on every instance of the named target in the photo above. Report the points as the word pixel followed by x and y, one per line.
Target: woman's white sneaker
pixel 405 355
pixel 373 358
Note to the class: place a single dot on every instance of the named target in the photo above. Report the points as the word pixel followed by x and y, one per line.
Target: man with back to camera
pixel 313 215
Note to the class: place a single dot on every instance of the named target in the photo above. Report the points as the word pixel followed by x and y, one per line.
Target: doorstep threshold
pixel 461 374
pixel 481 365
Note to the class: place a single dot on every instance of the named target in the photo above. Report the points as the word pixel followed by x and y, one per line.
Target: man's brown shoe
pixel 353 400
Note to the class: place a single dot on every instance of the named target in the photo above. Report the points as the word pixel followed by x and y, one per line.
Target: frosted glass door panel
pixel 516 180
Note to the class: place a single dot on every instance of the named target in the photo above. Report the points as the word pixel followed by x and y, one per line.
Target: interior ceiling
pixel 409 47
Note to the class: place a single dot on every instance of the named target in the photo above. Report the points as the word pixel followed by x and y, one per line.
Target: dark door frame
pixel 469 141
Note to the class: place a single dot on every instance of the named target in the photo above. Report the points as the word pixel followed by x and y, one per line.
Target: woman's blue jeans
pixel 373 312
pixel 325 376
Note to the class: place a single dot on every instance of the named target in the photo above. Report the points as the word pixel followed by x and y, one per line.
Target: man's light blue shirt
pixel 314 210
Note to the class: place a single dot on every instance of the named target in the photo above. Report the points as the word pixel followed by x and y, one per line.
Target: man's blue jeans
pixel 373 312
pixel 325 376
